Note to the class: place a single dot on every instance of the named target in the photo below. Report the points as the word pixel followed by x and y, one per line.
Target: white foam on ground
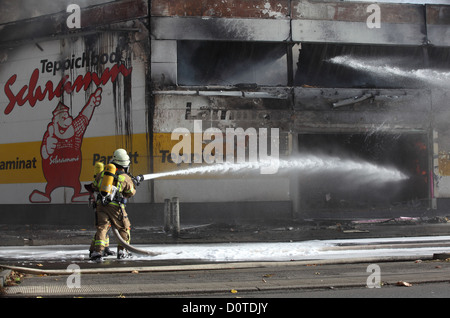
pixel 272 251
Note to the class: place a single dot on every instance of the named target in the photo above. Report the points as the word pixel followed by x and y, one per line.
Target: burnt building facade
pixel 352 80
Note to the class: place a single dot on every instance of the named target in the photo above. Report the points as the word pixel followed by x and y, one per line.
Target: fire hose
pixel 130 247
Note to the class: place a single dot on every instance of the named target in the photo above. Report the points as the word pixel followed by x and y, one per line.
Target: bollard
pixel 167 216
pixel 175 207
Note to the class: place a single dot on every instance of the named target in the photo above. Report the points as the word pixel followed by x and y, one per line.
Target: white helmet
pixel 121 158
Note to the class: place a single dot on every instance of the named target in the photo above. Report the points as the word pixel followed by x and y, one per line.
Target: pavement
pixel 273 231
pixel 188 278
pixel 193 280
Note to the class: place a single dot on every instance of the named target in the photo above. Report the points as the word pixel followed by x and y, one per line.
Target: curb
pixel 441 256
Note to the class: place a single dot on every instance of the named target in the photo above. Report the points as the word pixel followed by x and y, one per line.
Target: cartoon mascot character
pixel 61 150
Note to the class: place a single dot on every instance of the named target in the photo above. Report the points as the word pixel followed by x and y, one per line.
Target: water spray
pixel 306 164
pixel 380 67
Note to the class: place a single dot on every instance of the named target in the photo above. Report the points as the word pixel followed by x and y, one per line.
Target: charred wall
pixel 407 153
pixel 210 44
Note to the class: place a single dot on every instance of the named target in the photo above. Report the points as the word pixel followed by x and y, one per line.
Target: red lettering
pixel 39 94
pixel 111 74
pixel 35 92
pixel 33 82
pixel 9 94
pixel 82 81
pixel 12 98
pixel 58 90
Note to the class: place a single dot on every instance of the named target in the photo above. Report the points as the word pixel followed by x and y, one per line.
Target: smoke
pixel 382 67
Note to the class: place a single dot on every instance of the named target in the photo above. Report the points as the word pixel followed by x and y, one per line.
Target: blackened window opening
pixel 231 63
pixel 340 191
pixel 315 65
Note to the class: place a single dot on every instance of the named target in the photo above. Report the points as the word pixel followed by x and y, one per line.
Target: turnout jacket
pixel 123 183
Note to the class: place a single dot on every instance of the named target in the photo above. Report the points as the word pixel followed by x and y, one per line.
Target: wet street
pixel 424 246
pixel 337 261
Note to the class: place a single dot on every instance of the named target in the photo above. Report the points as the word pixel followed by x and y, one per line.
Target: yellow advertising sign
pixel 162 147
pixel 102 148
pixel 23 162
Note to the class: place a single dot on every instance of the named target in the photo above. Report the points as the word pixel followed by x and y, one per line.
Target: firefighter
pixel 115 186
pixel 98 168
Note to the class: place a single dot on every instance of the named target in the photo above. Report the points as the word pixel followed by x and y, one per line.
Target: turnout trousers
pixel 115 215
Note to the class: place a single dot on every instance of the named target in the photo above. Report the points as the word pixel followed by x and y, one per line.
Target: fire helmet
pixel 121 158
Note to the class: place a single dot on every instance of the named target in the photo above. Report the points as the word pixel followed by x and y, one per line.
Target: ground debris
pixel 14 279
pixel 402 283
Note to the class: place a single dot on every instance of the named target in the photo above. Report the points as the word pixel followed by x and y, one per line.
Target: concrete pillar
pixel 167 216
pixel 175 204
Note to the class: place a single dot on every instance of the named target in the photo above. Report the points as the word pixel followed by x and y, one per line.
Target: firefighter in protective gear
pixel 98 168
pixel 111 210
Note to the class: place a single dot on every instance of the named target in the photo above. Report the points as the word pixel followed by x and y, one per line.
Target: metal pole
pixel 167 216
pixel 175 216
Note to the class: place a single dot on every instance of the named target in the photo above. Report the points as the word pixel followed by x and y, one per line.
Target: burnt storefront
pixel 339 79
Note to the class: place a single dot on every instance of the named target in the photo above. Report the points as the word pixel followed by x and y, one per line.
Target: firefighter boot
pixel 122 253
pixel 108 252
pixel 96 257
